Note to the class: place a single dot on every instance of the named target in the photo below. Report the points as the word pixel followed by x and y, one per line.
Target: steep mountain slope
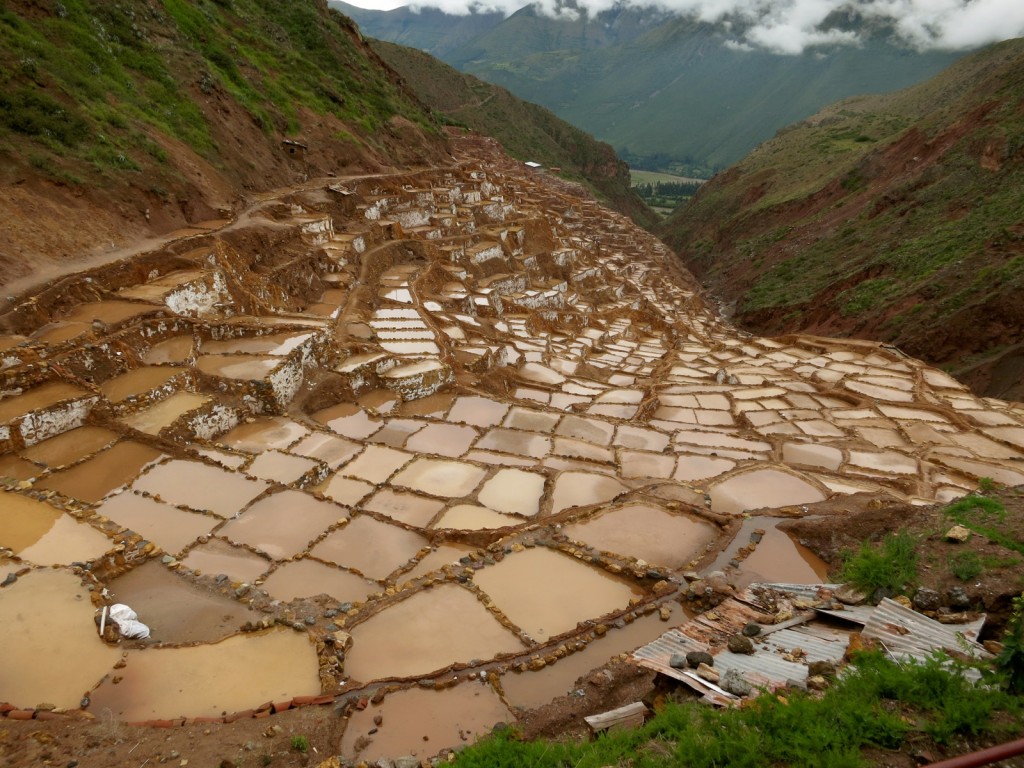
pixel 894 217
pixel 127 119
pixel 527 131
pixel 666 92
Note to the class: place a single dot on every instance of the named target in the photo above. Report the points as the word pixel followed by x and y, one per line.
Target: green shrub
pixel 876 703
pixel 891 566
pixel 36 114
pixel 965 565
pixel 1010 661
pixel 300 744
pixel 982 515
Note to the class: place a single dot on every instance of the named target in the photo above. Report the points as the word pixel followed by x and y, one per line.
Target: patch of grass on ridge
pixel 877 703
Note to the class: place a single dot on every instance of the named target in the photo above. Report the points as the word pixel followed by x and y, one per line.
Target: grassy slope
pixel 527 132
pixel 88 88
pixel 893 216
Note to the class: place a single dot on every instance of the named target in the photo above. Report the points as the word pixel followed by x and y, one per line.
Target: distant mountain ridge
pixel 667 92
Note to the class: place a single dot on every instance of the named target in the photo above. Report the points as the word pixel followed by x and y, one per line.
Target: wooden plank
pixel 629 716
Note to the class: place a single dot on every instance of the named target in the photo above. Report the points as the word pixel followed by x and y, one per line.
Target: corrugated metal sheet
pixel 858 614
pixel 819 643
pixel 905 632
pixel 766 667
pixel 656 655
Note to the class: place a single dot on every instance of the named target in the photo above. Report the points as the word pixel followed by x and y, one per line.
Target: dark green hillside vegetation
pixel 91 77
pixel 872 713
pixel 526 131
pixel 893 217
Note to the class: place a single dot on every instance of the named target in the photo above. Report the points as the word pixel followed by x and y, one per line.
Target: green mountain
pixel 669 93
pixel 895 217
pixel 526 131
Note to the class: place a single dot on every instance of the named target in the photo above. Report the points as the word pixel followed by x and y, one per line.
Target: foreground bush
pixel 876 703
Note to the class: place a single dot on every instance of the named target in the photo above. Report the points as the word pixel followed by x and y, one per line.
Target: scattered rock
pixel 407 761
pixel 817 683
pixel 926 599
pixel 695 658
pixel 902 600
pixel 707 673
pixel 881 593
pixel 824 669
pixel 752 630
pixel 734 682
pixel 958 598
pixel 678 661
pixel 741 644
pixel 665 613
pixel 847 595
pixel 958 533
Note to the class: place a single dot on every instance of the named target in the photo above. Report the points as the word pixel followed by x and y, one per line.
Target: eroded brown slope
pixel 896 218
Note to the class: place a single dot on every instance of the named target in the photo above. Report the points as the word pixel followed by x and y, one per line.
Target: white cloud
pixel 791 26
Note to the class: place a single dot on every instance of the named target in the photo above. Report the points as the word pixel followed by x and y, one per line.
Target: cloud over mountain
pixel 791 26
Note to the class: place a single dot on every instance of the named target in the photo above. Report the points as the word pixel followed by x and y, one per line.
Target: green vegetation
pixel 666 194
pixel 878 704
pixel 983 515
pixel 890 566
pixel 90 82
pixel 965 565
pixel 1010 661
pixel 300 744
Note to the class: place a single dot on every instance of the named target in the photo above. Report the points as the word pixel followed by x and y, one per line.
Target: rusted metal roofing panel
pixel 905 632
pixel 817 642
pixel 657 654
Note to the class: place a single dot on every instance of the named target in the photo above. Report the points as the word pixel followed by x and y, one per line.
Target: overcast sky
pixel 789 26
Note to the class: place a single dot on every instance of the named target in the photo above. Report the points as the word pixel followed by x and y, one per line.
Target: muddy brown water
pixel 282 524
pixel 209 680
pixel 535 688
pixel 41 534
pixel 647 533
pixel 373 548
pixel 420 723
pixel 175 610
pixel 104 473
pixel 426 632
pixel 546 593
pixel 200 486
pixel 48 615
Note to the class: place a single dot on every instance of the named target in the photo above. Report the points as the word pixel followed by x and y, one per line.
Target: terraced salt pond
pixel 457 422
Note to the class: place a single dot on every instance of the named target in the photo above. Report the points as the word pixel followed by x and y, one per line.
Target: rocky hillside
pixel 890 217
pixel 124 119
pixel 526 131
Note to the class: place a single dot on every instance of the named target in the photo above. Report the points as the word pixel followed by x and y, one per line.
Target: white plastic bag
pixel 127 621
